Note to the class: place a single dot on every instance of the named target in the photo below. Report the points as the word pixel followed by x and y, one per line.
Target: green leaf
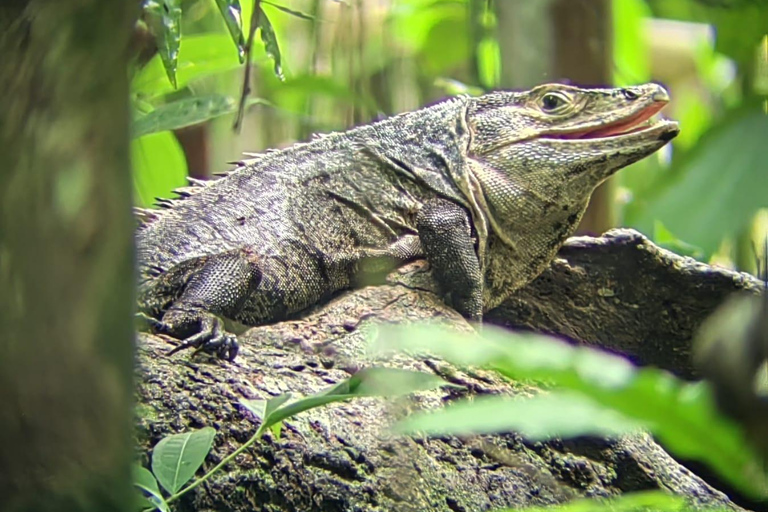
pixel 177 457
pixel 292 12
pixel 185 112
pixel 682 415
pixel 232 14
pixel 367 382
pixel 164 20
pixel 199 56
pixel 633 502
pixel 159 166
pixel 720 186
pixel 145 481
pixel 544 416
pixel 270 42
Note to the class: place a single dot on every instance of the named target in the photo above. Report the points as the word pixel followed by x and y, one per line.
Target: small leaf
pixel 232 14
pixel 159 166
pixel 263 408
pixel 145 481
pixel 177 457
pixel 186 112
pixel 292 12
pixel 270 42
pixel 164 20
pixel 368 382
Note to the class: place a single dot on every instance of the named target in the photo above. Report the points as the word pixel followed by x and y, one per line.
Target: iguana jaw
pixel 640 124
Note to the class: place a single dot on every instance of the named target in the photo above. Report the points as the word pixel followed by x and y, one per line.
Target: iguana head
pixel 546 149
pixel 574 131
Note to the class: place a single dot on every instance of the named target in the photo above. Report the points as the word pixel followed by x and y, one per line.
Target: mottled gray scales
pixel 486 188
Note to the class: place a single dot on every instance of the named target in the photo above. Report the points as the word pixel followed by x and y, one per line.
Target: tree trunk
pixel 66 256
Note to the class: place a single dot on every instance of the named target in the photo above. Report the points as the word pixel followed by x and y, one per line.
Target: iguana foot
pixel 208 333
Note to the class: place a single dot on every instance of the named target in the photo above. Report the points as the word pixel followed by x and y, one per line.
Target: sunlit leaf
pixel 270 43
pixel 232 15
pixel 176 458
pixel 159 166
pixel 681 414
pixel 164 21
pixel 199 56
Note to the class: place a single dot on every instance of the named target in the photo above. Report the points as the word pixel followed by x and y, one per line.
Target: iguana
pixel 485 188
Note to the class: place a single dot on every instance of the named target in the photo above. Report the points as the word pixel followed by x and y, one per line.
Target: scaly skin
pixel 486 188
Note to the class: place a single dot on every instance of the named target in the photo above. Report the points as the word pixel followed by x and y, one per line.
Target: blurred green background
pixel 321 65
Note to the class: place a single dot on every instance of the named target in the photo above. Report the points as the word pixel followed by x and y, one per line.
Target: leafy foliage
pixel 594 393
pixel 176 458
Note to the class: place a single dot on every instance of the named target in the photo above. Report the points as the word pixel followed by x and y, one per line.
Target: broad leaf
pixel 199 56
pixel 164 20
pixel 185 112
pixel 232 14
pixel 145 481
pixel 159 166
pixel 177 457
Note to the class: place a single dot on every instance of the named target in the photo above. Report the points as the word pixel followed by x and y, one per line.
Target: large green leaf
pixel 159 166
pixel 177 457
pixel 232 14
pixel 199 56
pixel 682 415
pixel 536 418
pixel 164 21
pixel 657 501
pixel 185 112
pixel 719 187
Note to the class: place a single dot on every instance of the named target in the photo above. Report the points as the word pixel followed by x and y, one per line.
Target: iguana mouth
pixel 640 121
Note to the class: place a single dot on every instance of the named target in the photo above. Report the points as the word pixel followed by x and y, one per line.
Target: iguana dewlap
pixel 486 188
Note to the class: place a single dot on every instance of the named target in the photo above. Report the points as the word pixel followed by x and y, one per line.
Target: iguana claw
pixel 209 334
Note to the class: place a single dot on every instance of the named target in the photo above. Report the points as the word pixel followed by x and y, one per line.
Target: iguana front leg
pixel 218 287
pixel 446 237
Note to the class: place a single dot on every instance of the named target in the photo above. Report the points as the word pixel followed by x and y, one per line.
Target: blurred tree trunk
pixel 556 41
pixel 66 256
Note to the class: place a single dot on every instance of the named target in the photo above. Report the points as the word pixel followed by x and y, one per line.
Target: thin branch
pixel 255 21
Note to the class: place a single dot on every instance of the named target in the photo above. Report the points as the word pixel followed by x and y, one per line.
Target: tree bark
pixel 340 457
pixel 66 256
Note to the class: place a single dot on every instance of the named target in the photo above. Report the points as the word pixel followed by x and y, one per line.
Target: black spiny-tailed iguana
pixel 486 188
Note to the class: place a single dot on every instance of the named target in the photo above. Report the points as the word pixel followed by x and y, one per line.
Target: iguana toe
pixel 200 330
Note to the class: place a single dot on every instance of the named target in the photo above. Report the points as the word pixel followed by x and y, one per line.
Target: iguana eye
pixel 553 101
